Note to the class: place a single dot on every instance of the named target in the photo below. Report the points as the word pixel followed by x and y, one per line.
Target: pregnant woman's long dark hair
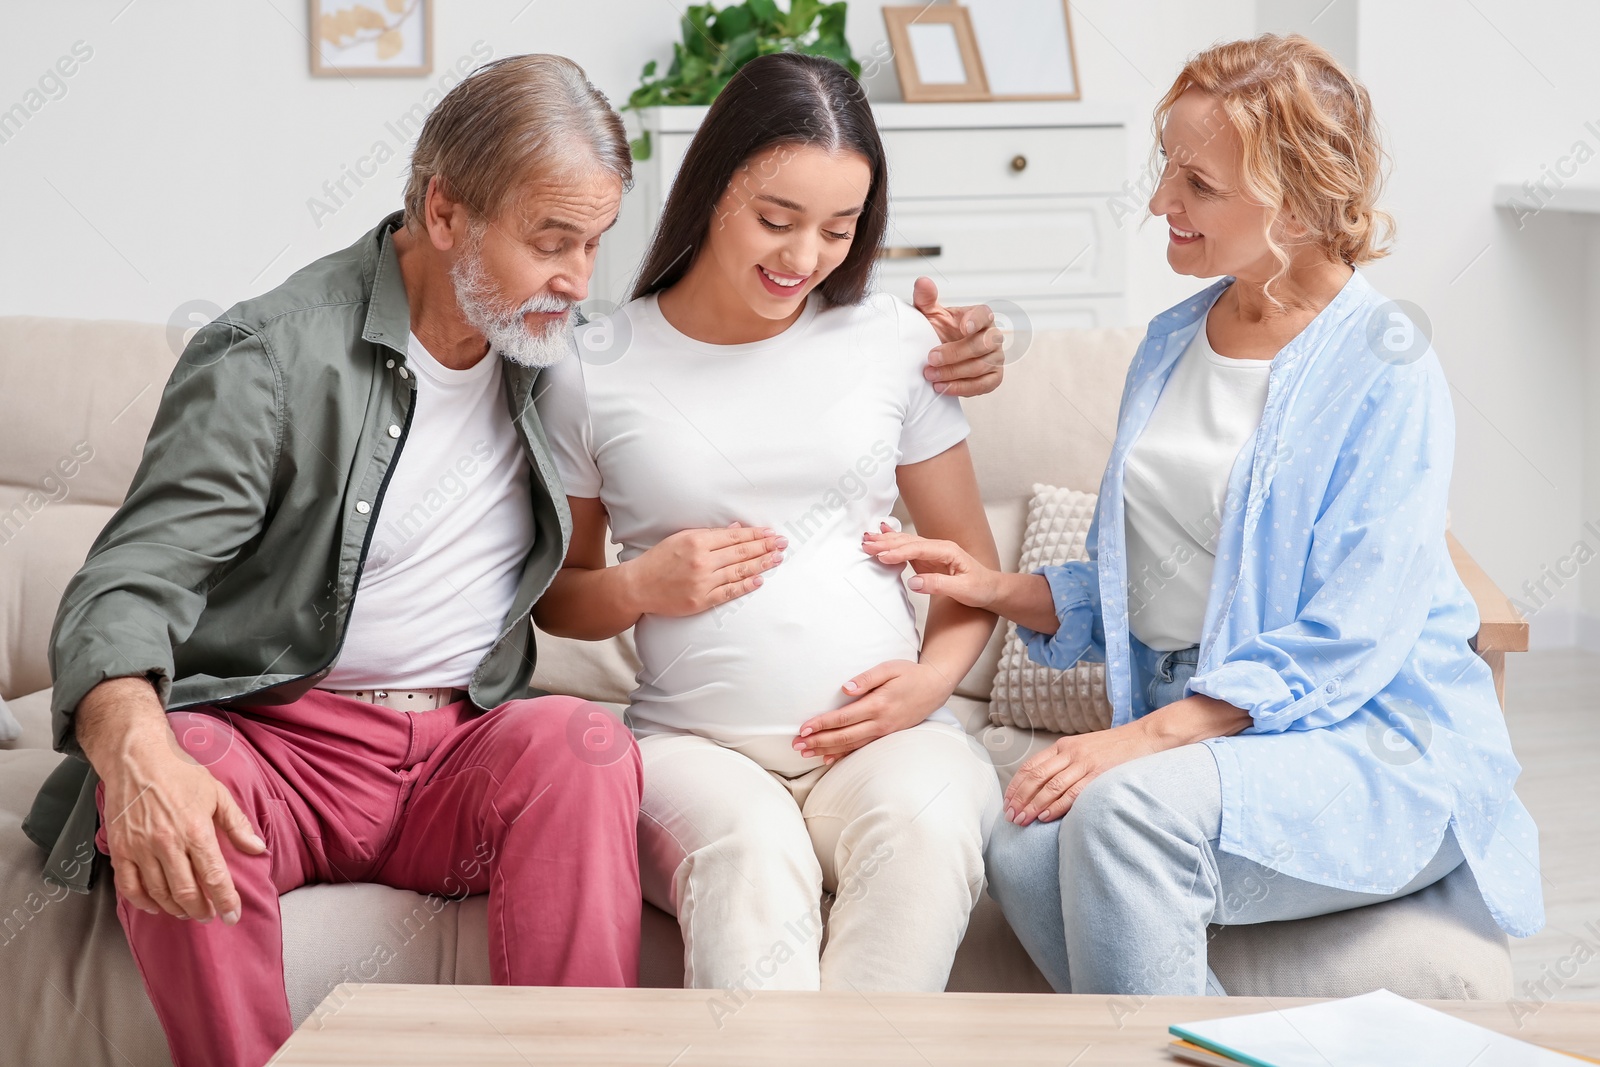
pixel 781 99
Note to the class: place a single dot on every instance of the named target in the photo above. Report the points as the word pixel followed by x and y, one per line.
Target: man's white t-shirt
pixel 1175 485
pixel 448 540
pixel 801 432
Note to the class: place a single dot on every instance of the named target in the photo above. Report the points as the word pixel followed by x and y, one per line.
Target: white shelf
pixel 1577 199
pixel 901 116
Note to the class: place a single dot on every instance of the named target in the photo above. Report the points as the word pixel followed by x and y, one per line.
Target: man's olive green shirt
pixel 227 574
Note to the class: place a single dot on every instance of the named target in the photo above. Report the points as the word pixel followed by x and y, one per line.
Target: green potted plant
pixel 717 42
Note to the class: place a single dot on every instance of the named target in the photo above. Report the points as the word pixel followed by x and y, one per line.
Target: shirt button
pixel 404 373
pixel 363 507
pixel 394 431
pixel 389 363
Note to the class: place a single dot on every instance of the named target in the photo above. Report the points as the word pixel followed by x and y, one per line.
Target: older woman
pixel 1300 725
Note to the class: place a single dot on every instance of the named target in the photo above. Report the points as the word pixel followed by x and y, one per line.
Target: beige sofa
pixel 74 389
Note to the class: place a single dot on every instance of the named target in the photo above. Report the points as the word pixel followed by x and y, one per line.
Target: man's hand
pixel 894 695
pixel 969 360
pixel 162 810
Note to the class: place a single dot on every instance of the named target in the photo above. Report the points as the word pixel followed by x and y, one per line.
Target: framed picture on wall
pixel 1026 47
pixel 935 54
pixel 371 37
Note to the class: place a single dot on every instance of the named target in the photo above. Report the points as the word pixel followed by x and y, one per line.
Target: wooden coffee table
pixel 494 1025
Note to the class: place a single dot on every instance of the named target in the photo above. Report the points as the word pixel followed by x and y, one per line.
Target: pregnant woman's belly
pixel 748 673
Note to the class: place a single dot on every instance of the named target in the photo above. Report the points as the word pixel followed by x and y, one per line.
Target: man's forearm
pixel 116 717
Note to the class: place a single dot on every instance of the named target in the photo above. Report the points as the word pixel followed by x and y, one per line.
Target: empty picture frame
pixel 1026 47
pixel 935 54
pixel 371 37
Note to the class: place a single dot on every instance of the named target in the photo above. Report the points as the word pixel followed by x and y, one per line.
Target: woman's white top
pixel 801 432
pixel 1176 489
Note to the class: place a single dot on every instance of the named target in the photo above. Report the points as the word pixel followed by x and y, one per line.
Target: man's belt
pixel 405 699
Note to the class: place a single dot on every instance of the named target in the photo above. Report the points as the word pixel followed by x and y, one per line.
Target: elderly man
pixel 300 651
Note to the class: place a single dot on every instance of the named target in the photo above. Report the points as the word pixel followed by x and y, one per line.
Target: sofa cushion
pixel 1028 694
pixel 1054 417
pixel 44 543
pixel 1439 943
pixel 71 388
pixel 73 995
pixel 32 713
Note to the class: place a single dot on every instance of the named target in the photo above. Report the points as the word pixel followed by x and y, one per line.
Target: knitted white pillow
pixel 1026 694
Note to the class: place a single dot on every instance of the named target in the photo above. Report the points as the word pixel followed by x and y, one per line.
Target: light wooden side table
pixel 487 1026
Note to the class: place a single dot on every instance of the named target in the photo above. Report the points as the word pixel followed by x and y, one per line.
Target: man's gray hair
pixel 511 121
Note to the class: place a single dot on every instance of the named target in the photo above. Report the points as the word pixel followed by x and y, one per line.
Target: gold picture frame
pixel 370 38
pixel 933 45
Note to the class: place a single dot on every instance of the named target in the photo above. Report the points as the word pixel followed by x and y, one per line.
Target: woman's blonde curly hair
pixel 1312 146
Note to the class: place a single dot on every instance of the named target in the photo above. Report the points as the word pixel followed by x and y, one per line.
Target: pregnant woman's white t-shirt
pixel 801 432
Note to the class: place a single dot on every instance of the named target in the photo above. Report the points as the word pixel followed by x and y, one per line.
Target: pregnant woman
pixel 1299 723
pixel 740 424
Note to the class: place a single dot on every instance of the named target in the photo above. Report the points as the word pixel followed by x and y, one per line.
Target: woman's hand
pixel 1046 786
pixel 894 695
pixel 943 568
pixel 695 570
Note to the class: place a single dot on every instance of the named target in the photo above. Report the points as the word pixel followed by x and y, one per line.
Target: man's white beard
pixel 508 332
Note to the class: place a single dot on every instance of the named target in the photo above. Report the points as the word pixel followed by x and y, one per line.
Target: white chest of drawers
pixel 1006 203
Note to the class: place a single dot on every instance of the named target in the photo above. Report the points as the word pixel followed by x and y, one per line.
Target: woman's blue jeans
pixel 1115 896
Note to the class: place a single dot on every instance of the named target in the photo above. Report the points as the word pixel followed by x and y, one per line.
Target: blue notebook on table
pixel 1375 1028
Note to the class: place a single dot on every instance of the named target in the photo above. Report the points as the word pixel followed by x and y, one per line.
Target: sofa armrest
pixel 1501 627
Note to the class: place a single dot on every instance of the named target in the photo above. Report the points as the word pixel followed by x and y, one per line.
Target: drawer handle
pixel 911 252
pixel 1019 163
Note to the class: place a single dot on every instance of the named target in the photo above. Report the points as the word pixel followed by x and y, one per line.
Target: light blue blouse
pixel 1335 618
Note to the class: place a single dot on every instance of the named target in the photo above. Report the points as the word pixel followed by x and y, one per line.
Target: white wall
pixel 179 163
pixel 1471 95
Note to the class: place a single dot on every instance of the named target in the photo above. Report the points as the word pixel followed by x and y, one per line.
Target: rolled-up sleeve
pixel 1080 635
pixel 200 493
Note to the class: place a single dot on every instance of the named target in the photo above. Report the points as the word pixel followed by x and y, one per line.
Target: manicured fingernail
pixel 935 357
pixel 783 542
pixel 1010 814
pixel 808 731
pixel 230 917
pixel 851 685
pixel 916 583
pixel 185 918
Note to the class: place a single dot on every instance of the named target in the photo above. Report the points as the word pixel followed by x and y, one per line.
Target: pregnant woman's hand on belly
pixel 695 570
pixel 894 695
